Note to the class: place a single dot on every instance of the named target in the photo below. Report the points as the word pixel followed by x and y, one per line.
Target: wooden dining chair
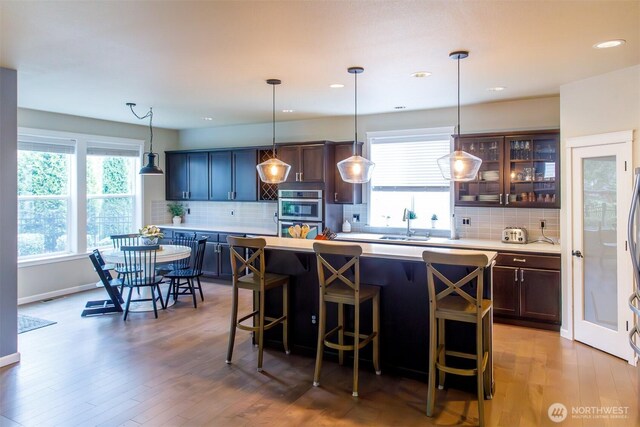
pixel 140 263
pixel 337 287
pixel 259 281
pixel 452 302
pixel 182 279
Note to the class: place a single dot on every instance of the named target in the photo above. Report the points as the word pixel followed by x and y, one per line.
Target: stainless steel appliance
pixel 633 236
pixel 514 235
pixel 299 207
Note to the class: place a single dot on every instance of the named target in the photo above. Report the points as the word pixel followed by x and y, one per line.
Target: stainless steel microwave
pixel 300 205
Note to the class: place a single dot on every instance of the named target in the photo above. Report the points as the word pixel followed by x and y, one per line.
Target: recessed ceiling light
pixel 420 74
pixel 400 107
pixel 207 118
pixel 336 86
pixel 496 89
pixel 288 111
pixel 609 43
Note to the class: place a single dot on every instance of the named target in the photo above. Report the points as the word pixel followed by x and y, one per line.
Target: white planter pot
pixel 177 220
pixel 433 223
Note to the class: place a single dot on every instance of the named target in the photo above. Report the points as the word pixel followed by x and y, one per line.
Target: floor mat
pixel 28 323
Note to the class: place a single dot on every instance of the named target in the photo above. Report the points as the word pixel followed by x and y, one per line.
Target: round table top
pixel 167 253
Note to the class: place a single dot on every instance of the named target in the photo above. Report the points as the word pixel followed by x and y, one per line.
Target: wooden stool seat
pixel 258 281
pixel 336 287
pixel 453 302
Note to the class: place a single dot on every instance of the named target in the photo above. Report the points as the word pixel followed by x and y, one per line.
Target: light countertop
pixel 242 229
pixel 372 250
pixel 493 245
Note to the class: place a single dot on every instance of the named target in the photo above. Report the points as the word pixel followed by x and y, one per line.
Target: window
pixel 407 176
pixel 74 191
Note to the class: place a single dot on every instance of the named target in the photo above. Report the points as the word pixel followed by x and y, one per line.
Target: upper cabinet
pixel 187 176
pixel 233 175
pixel 518 170
pixel 307 162
pixel 344 192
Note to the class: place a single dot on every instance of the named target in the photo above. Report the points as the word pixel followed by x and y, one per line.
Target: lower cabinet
pixel 526 290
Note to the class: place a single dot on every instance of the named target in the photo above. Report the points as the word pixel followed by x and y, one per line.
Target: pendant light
pixel 150 168
pixel 459 165
pixel 273 171
pixel 356 169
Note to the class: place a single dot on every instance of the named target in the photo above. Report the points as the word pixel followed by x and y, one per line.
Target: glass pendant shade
pixel 356 169
pixel 151 168
pixel 273 171
pixel 459 166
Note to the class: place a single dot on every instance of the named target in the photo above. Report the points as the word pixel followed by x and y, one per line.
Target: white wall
pixel 537 113
pixel 36 282
pixel 600 104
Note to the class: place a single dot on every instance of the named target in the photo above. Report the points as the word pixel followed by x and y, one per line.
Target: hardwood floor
pixel 101 371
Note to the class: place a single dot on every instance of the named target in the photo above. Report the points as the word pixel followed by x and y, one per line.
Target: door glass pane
pixel 599 228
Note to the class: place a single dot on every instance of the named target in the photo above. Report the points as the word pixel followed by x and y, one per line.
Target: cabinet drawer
pixel 528 261
pixel 211 237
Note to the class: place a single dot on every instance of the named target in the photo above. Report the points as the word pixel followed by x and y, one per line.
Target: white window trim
pixel 389 135
pixel 78 216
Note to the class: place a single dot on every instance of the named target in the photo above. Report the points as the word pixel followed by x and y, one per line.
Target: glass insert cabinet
pixel 518 170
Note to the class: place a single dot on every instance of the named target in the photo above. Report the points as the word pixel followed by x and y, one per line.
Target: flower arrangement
pixel 150 234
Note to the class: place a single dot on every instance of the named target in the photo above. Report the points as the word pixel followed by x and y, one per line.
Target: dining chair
pixel 247 255
pixel 180 239
pixel 336 286
pixel 114 303
pixel 140 264
pixel 188 273
pixel 119 240
pixel 453 302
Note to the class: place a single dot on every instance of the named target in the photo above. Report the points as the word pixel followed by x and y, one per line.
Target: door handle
pixel 515 275
pixel 506 199
pixel 335 197
pixel 577 254
pixel 522 275
pixel 301 177
pixel 500 198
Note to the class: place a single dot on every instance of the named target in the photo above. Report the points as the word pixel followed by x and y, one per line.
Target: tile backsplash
pixel 485 223
pixel 259 214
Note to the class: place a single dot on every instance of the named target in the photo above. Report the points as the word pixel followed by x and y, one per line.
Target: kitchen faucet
pixel 408 215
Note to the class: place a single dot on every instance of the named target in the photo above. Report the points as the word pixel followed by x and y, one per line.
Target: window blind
pixel 408 165
pixel 97 149
pixel 46 144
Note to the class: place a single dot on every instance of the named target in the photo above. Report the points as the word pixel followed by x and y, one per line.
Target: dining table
pixel 166 254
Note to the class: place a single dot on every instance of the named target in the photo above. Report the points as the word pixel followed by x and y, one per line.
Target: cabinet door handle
pixel 506 199
pixel 335 197
pixel 301 177
pixel 515 276
pixel 522 275
pixel 519 260
pixel 228 195
pixel 500 198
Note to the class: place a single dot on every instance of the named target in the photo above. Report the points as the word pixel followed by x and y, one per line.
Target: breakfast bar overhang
pixel 402 275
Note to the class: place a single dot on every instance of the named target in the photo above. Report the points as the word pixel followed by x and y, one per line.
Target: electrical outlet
pixel 232 212
pixel 466 221
pixel 543 223
pixel 356 217
pixel 188 211
pixel 313 319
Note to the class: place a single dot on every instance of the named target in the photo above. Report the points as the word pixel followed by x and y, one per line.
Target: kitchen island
pixel 404 334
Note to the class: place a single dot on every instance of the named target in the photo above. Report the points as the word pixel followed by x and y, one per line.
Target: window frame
pixel 78 188
pixel 400 136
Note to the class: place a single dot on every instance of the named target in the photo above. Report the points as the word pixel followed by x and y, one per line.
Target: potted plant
pixel 177 211
pixel 434 219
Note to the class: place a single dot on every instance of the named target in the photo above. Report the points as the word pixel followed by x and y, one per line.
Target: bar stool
pixel 461 307
pixel 345 292
pixel 258 281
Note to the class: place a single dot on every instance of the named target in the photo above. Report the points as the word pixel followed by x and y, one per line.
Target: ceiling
pixel 191 60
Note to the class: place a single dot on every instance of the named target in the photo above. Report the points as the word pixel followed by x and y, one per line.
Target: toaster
pixel 514 235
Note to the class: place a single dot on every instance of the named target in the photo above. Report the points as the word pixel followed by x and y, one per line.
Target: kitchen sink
pixel 405 238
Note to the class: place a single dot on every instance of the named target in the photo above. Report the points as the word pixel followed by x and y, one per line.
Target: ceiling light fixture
pixel 151 168
pixel 288 111
pixel 356 169
pixel 420 74
pixel 336 86
pixel 273 171
pixel 459 165
pixel 400 107
pixel 496 89
pixel 609 43
pixel 207 118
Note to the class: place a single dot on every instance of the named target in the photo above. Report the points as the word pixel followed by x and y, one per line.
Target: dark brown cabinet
pixel 233 175
pixel 526 290
pixel 345 192
pixel 307 162
pixel 518 170
pixel 187 176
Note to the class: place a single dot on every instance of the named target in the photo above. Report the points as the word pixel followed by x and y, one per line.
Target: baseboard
pixel 55 294
pixel 9 359
pixel 564 333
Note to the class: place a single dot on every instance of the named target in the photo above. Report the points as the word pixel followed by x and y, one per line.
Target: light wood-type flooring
pixel 171 372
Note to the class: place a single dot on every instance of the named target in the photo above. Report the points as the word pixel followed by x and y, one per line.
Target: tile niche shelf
pixel 518 170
